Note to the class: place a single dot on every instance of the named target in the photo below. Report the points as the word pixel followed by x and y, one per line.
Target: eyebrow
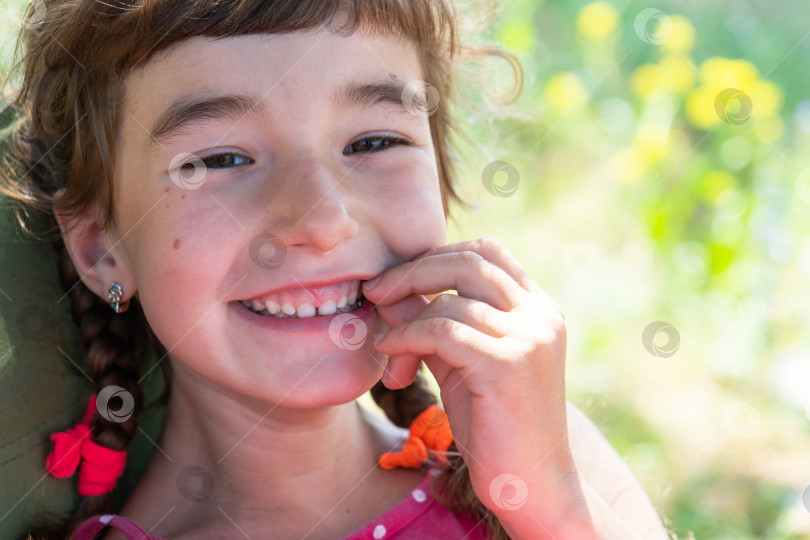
pixel 186 112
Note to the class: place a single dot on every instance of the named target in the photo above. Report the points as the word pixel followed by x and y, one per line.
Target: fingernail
pixel 385 375
pixel 370 284
pixel 378 337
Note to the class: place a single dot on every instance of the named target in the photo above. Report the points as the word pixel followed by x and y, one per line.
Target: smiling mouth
pixel 307 310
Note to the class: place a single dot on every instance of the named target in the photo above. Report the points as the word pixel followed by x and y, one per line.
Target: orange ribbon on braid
pixel 429 431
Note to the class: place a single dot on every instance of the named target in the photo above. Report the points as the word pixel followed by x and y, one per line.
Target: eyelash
pixel 389 142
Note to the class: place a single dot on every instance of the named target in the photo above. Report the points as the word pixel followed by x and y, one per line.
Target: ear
pixel 95 253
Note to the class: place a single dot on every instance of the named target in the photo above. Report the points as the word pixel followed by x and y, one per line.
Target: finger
pixel 457 344
pixel 401 369
pixel 475 314
pixel 401 312
pixel 494 252
pixel 466 272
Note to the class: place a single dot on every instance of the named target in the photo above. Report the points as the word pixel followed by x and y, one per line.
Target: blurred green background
pixel 656 182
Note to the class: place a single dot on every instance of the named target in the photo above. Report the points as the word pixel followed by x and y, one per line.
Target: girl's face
pixel 289 194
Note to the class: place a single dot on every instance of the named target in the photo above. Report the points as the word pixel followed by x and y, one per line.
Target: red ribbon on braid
pixel 429 430
pixel 100 467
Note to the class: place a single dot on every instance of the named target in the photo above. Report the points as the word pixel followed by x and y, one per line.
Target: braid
pixel 110 341
pixel 402 407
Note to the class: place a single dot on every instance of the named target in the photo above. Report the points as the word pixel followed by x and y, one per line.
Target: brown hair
pixel 74 63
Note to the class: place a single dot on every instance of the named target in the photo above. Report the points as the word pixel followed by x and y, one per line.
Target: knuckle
pixel 442 301
pixel 487 243
pixel 440 326
pixel 470 257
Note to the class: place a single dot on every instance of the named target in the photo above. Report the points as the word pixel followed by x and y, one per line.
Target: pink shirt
pixel 418 515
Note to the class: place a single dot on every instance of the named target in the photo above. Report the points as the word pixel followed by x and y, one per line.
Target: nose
pixel 308 205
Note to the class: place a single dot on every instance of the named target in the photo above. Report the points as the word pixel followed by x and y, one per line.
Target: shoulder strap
pixel 90 528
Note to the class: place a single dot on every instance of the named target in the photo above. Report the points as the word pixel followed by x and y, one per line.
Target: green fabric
pixel 43 388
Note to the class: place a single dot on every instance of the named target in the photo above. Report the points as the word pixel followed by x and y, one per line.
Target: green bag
pixel 43 385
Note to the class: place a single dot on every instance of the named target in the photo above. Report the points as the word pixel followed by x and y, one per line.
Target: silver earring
pixel 114 296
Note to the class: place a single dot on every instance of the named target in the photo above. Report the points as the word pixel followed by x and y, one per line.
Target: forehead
pixel 279 69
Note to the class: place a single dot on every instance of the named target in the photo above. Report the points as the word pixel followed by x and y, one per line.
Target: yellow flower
pixel 681 36
pixel 597 20
pixel 722 73
pixel 673 74
pixel 564 91
pixel 679 75
pixel 651 143
pixel 646 79
pixel 700 109
pixel 766 99
pixel 715 183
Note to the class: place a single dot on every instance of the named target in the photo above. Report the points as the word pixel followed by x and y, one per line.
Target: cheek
pixel 178 262
pixel 411 216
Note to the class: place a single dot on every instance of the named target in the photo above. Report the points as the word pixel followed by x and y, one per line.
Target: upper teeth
pixel 290 303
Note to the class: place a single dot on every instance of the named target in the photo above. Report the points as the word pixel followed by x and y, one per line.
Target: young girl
pixel 266 183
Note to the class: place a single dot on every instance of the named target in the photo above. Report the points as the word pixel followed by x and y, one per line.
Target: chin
pixel 331 385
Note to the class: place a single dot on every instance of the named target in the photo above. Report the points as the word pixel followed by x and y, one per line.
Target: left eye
pixel 374 144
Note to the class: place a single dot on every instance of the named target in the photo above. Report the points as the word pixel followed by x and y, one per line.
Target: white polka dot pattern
pixel 379 532
pixel 419 495
pixel 105 518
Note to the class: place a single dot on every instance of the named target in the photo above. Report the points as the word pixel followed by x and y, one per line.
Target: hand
pixel 497 350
